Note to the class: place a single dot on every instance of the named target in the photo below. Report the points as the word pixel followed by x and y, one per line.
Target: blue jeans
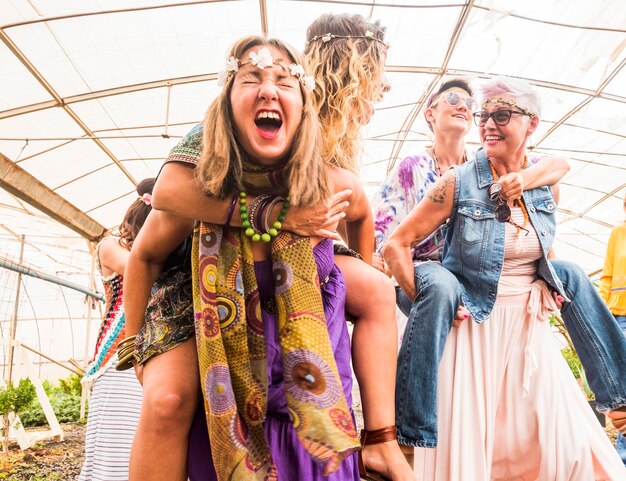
pixel 430 319
pixel 621 440
pixel 597 337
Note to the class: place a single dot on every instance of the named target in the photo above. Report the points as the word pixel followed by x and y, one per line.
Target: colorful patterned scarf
pixel 232 357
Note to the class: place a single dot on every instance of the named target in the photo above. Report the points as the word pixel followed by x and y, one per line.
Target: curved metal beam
pixel 106 12
pixel 456 35
pixel 12 266
pixel 57 98
pixel 125 89
pixel 582 104
pixel 21 184
pixel 98 94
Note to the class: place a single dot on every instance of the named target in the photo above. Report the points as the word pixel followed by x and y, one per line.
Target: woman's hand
pixel 461 315
pixel 512 186
pixel 319 220
pixel 558 299
pixel 547 171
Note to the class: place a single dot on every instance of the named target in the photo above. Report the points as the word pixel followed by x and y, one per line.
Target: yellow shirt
pixel 613 280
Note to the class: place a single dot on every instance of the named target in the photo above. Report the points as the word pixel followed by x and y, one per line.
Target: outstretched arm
pixel 422 221
pixel 547 171
pixel 360 235
pixel 178 192
pixel 160 235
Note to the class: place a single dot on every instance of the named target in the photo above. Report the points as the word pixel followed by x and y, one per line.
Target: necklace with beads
pixel 258 216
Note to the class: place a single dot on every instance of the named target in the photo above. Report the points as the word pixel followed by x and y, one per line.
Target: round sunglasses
pixel 502 212
pixel 453 98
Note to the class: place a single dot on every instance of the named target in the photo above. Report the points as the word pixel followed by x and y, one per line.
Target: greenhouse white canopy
pixel 93 95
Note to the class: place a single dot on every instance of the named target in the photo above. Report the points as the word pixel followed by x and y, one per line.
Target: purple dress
pixel 292 461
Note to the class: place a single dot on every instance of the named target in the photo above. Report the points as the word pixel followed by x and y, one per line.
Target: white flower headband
pixel 262 59
pixel 327 37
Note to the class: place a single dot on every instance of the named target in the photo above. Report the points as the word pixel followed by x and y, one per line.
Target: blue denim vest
pixel 474 242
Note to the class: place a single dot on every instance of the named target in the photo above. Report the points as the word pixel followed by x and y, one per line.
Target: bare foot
pixel 387 459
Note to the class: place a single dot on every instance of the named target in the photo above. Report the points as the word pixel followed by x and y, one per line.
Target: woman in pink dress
pixel 508 405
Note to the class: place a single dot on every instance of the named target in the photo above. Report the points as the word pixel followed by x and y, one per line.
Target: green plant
pixel 64 399
pixel 14 400
pixel 571 357
pixel 33 415
pixel 71 385
pixel 48 387
pixel 573 362
pixel 66 408
pixel 585 385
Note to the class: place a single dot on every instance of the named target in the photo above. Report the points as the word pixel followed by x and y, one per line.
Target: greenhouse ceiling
pixel 93 94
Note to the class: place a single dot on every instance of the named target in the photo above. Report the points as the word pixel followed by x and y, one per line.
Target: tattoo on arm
pixel 438 192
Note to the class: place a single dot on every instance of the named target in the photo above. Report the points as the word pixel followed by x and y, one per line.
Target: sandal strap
pixel 378 436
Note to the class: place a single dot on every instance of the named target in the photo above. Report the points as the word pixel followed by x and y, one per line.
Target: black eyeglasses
pixel 502 211
pixel 500 117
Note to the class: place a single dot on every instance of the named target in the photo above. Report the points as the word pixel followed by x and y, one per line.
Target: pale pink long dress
pixel 509 407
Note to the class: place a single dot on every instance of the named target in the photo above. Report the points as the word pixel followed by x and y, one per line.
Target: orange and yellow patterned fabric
pixel 232 355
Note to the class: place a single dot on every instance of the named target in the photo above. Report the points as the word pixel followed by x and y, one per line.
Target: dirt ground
pixel 61 461
pixel 47 460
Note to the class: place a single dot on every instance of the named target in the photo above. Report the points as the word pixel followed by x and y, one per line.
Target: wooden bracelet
pixel 126 362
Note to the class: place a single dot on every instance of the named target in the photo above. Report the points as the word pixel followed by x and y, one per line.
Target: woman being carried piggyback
pixel 272 343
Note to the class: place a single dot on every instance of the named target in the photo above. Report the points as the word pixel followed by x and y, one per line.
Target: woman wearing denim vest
pixel 448 115
pixel 508 406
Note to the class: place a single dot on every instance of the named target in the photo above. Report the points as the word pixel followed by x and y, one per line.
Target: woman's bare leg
pixel 171 391
pixel 371 300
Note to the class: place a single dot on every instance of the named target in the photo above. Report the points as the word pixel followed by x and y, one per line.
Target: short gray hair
pixel 524 94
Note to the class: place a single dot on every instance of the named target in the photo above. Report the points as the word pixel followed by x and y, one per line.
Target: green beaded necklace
pixel 248 225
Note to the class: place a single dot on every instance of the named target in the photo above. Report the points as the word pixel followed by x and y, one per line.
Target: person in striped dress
pixel 116 396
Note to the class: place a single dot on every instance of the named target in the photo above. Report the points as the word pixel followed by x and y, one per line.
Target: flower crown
pixel 262 59
pixel 512 103
pixel 327 37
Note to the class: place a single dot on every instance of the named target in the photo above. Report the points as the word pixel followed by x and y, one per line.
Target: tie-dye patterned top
pixel 405 186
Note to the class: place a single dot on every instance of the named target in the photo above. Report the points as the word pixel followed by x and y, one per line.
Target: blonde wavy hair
pixel 220 167
pixel 349 74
